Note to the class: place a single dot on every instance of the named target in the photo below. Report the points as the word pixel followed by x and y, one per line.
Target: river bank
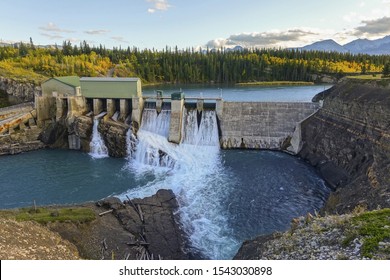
pixel 276 83
pixel 108 229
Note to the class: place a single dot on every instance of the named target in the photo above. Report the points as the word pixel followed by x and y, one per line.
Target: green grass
pixel 374 227
pixel 367 77
pixel 276 83
pixel 46 215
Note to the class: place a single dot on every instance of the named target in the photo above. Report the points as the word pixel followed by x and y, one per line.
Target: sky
pixel 188 23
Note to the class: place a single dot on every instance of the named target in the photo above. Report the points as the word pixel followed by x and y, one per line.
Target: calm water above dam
pixel 244 93
pixel 225 197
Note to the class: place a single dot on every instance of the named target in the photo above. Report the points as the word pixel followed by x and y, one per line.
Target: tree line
pixel 172 65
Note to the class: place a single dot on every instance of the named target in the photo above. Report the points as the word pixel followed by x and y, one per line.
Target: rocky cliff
pixel 349 141
pixel 18 129
pixel 59 134
pixel 24 92
pixel 114 135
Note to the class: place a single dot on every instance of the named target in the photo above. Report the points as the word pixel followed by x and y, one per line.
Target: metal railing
pixel 185 98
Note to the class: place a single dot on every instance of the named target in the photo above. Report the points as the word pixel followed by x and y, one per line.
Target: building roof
pixel 107 79
pixel 72 81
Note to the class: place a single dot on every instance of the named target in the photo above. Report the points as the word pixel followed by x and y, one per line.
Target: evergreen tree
pixel 386 69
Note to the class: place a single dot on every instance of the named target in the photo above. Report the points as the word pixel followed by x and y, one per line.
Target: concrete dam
pixel 246 125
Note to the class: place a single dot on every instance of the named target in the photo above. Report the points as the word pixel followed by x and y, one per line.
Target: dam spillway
pixel 262 125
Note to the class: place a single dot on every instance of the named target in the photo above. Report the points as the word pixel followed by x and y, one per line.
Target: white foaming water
pixel 193 170
pixel 97 147
pixel 115 116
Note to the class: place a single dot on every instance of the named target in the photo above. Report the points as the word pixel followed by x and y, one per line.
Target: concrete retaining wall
pixel 261 125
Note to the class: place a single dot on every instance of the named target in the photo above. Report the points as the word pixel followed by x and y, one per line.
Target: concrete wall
pixel 261 125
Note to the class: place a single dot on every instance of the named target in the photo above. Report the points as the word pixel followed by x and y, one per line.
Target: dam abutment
pixel 175 127
pixel 261 125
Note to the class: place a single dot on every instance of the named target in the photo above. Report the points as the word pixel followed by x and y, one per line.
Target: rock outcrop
pixel 338 237
pixel 114 135
pixel 24 92
pixel 59 134
pixel 138 229
pixel 18 129
pixel 348 140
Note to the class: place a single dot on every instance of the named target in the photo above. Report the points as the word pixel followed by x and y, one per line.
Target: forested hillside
pixel 26 61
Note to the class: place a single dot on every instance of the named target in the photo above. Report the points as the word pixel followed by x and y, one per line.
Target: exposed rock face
pixel 114 135
pixel 23 91
pixel 21 141
pixel 122 234
pixel 349 141
pixel 56 134
pixel 18 129
pixel 81 127
pixel 321 238
pixel 160 227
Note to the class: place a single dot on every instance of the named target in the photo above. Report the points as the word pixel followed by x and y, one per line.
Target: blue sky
pixel 188 23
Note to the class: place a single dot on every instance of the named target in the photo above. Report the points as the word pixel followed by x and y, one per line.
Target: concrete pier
pixel 77 106
pixel 199 105
pixel 61 105
pixel 177 105
pixel 219 108
pixel 97 106
pixel 111 109
pixel 124 109
pixel 136 113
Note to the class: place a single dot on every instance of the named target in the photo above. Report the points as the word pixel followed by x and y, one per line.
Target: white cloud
pixel 158 5
pixel 97 32
pixel 373 28
pixel 73 40
pixel 217 43
pixel 53 32
pixel 51 27
pixel 52 36
pixel 120 39
pixel 271 39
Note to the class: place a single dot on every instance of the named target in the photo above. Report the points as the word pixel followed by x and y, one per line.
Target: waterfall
pixel 151 148
pixel 193 170
pixel 115 116
pixel 97 147
pixel 204 134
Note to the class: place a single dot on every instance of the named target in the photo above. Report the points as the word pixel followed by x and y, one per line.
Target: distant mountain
pixel 363 46
pixel 326 45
